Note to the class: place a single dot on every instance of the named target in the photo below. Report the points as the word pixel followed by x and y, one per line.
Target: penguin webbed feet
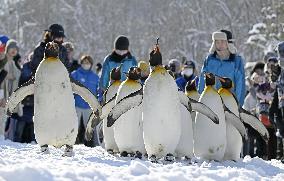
pixel 169 157
pixel 153 159
pixel 125 154
pixel 68 152
pixel 44 149
pixel 138 154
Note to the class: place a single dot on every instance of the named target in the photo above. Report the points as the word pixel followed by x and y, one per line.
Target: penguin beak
pixel 221 79
pixel 207 74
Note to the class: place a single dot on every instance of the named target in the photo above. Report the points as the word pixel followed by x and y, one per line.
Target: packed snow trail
pixel 25 162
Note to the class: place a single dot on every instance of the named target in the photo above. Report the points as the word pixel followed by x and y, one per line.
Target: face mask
pixel 121 52
pixel 86 66
pixel 187 72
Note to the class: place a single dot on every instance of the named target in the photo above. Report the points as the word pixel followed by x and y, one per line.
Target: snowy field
pixel 20 162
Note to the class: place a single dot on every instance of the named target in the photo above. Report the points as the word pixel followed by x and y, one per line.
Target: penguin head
pixel 209 79
pixel 134 73
pixel 51 50
pixel 190 86
pixel 115 73
pixel 225 82
pixel 155 57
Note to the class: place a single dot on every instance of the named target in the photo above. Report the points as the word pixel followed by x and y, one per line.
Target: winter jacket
pixel 90 80
pixel 39 54
pixel 181 82
pixel 112 61
pixel 10 82
pixel 26 75
pixel 250 103
pixel 232 68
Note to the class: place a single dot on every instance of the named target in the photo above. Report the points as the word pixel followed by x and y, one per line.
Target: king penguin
pixel 210 139
pixel 234 139
pixel 161 116
pixel 55 119
pixel 128 129
pixel 109 98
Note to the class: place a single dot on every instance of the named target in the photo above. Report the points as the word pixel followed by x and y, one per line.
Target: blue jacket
pixel 89 79
pixel 232 68
pixel 181 82
pixel 110 63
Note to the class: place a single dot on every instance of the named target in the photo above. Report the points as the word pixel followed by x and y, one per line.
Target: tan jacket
pixel 10 83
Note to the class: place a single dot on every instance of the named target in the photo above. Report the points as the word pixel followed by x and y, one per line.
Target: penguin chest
pixel 128 128
pixel 234 139
pixel 210 138
pixel 108 131
pixel 55 115
pixel 161 114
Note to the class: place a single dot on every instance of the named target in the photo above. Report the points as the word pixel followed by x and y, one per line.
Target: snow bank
pixel 24 162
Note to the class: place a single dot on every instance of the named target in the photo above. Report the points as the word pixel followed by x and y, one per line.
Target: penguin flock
pixel 154 120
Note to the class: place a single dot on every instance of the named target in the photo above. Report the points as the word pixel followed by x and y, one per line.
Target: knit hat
pixel 175 66
pixel 223 35
pixel 121 43
pixel 11 44
pixel 56 30
pixel 189 64
pixel 268 55
pixel 3 39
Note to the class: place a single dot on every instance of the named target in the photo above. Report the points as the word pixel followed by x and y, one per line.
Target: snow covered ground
pixel 20 162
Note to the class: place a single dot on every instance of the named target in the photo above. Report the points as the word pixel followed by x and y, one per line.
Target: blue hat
pixel 189 63
pixel 3 39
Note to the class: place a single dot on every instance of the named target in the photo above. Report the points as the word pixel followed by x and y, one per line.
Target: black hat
pixel 229 35
pixel 56 30
pixel 121 43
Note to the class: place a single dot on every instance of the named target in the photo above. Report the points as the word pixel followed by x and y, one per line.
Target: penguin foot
pixel 153 159
pixel 187 158
pixel 138 154
pixel 146 155
pixel 169 157
pixel 130 155
pixel 123 154
pixel 44 149
pixel 68 152
pixel 110 151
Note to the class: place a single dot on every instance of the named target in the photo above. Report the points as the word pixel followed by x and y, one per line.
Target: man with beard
pixel 54 33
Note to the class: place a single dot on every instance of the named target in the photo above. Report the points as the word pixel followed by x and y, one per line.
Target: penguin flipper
pixel 87 95
pixel 93 121
pixel 192 104
pixel 132 100
pixel 236 122
pixel 254 122
pixel 107 107
pixel 18 95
